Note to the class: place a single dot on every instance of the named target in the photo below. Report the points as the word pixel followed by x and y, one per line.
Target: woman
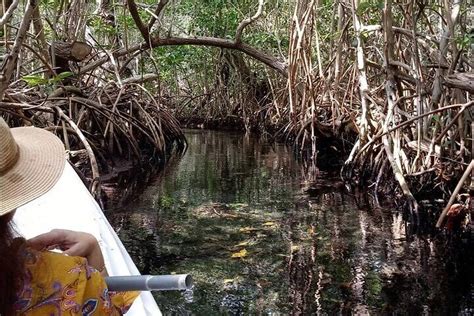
pixel 33 280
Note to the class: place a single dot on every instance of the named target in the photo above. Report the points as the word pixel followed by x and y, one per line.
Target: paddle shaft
pixel 149 282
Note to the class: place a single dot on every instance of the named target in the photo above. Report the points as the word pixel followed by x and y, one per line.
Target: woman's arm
pixel 72 243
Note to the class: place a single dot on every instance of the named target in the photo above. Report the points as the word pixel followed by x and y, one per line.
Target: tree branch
pixel 9 12
pixel 452 19
pixel 455 193
pixel 132 7
pixel 156 41
pixel 462 80
pixel 40 36
pixel 246 22
pixel 413 119
pixel 267 59
pixel 7 68
pixel 159 8
pixel 140 79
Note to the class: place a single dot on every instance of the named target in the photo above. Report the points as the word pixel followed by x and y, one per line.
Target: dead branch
pixel 247 22
pixel 463 81
pixel 159 8
pixel 9 64
pixel 74 51
pixel 452 19
pixel 9 12
pixel 132 7
pixel 40 36
pixel 95 169
pixel 407 122
pixel 140 78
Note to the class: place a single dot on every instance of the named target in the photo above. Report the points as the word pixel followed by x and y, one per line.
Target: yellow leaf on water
pixel 269 224
pixel 228 281
pixel 247 229
pixel 241 254
pixel 243 243
pixel 295 248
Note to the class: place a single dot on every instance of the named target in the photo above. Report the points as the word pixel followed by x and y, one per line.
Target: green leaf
pixel 64 75
pixel 34 80
pixel 60 77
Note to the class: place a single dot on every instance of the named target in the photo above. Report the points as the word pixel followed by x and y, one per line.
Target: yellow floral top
pixel 55 284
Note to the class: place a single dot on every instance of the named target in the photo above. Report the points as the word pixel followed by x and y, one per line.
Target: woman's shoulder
pixel 52 277
pixel 46 265
pixel 53 257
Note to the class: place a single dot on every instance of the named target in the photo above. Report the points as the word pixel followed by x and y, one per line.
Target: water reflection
pixel 237 214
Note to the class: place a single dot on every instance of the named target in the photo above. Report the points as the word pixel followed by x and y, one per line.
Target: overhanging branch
pixel 267 59
pixel 156 41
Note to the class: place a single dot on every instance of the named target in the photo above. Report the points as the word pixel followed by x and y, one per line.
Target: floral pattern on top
pixel 55 284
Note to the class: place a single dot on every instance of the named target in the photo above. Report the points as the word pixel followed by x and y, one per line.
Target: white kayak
pixel 69 205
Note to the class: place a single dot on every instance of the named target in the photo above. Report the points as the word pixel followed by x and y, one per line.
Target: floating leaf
pixel 243 243
pixel 241 254
pixel 295 248
pixel 269 224
pixel 247 229
pixel 229 281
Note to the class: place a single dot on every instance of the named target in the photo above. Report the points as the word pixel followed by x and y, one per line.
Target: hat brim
pixel 40 164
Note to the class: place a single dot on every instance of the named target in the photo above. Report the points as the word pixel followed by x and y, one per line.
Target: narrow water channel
pixel 236 214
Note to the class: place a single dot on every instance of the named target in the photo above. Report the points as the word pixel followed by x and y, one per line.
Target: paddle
pixel 149 282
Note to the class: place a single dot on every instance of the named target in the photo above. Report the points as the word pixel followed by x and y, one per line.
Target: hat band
pixel 11 162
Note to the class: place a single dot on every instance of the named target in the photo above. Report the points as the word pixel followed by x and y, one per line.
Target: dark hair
pixel 11 266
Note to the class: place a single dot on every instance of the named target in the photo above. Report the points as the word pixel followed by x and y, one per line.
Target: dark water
pixel 239 216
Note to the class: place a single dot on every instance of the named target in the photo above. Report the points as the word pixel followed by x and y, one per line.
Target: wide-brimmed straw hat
pixel 31 162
